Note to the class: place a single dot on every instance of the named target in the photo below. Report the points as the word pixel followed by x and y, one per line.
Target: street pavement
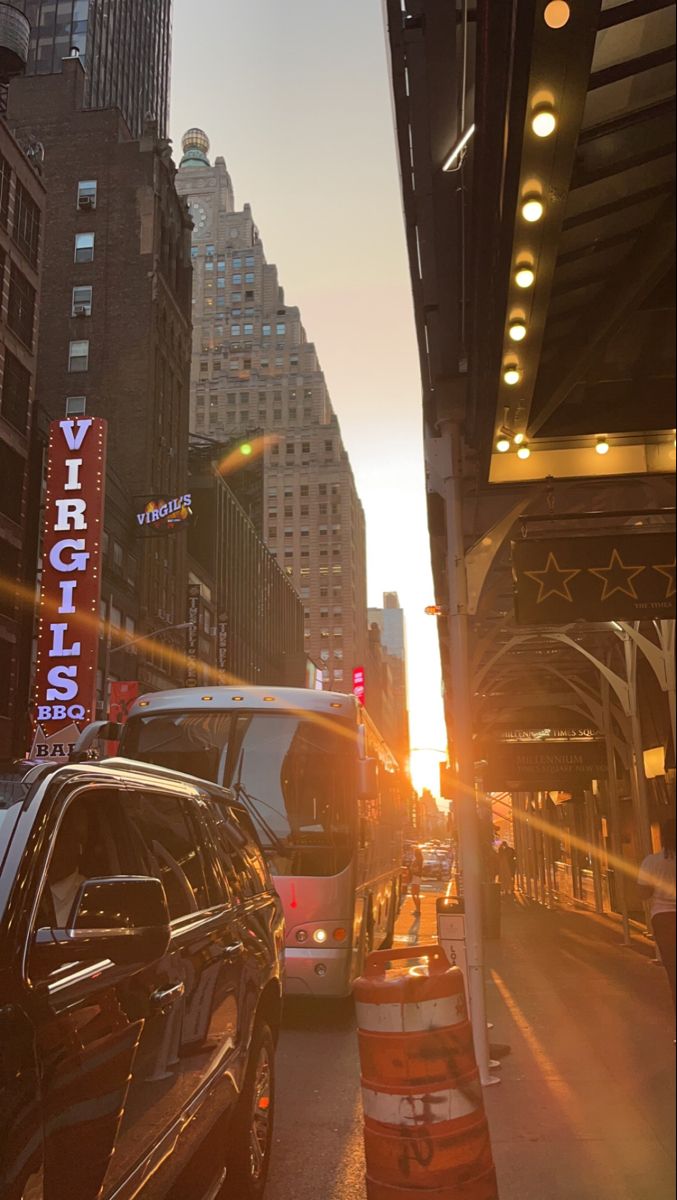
pixel 585 1109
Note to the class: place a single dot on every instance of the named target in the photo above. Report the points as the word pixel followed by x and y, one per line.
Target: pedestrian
pixel 417 879
pixel 657 884
pixel 506 869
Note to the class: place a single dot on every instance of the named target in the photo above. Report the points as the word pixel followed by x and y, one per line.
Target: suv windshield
pixel 296 776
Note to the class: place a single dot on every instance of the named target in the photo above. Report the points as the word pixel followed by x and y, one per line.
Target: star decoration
pixel 617 577
pixel 669 570
pixel 553 580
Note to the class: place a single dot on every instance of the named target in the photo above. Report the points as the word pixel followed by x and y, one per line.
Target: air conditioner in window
pixel 80 310
pixel 86 203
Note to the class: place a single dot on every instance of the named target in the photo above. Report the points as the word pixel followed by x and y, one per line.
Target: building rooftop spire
pixel 195 145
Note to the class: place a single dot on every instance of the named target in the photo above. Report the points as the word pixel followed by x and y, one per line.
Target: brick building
pixel 116 331
pixel 22 218
pixel 254 368
pixel 124 47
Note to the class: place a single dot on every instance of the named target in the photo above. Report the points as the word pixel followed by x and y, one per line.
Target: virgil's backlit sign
pixel 68 633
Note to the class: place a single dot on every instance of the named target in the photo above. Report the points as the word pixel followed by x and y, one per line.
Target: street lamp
pixel 147 637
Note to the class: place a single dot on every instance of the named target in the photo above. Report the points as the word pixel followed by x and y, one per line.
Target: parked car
pixel 141 952
pixel 432 865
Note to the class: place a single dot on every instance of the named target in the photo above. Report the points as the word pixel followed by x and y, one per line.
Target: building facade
pixel 22 220
pixel 125 49
pixel 255 370
pixel 116 341
pixel 247 615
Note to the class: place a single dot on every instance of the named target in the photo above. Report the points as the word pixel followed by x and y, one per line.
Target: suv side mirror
pixel 368 779
pixel 124 918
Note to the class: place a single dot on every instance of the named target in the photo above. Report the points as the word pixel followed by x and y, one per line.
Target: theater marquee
pixel 625 577
pixel 69 621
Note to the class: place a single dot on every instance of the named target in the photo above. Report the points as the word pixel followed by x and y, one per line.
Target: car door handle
pixel 166 998
pixel 233 951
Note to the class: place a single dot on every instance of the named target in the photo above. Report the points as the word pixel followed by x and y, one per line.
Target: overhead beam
pixel 632 66
pixel 628 120
pixel 630 285
pixel 631 11
pixel 583 178
pixel 614 206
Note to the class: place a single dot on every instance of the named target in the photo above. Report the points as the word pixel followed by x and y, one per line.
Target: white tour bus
pixel 327 799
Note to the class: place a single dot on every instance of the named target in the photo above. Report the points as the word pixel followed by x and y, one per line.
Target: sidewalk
pixel 585 1110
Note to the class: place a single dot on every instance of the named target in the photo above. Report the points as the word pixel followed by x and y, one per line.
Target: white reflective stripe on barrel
pixel 412 1018
pixel 427 1108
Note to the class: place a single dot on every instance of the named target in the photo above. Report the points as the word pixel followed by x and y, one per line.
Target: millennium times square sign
pixel 70 596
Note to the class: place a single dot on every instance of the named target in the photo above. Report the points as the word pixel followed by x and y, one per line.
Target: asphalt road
pixel 318 1133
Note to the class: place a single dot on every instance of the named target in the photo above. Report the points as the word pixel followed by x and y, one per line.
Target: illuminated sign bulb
pixel 602 447
pixel 512 375
pixel 524 452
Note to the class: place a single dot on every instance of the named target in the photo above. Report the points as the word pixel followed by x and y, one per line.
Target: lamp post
pixel 111 650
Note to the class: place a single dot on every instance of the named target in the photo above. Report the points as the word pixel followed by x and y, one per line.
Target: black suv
pixel 141 950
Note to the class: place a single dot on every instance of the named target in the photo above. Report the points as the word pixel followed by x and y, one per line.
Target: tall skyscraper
pixel 390 623
pixel 254 368
pixel 124 45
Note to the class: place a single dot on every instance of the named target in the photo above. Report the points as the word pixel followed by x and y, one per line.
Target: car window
pixel 239 854
pixel 88 844
pixel 169 840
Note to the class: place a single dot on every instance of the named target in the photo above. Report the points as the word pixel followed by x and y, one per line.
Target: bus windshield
pixel 296 776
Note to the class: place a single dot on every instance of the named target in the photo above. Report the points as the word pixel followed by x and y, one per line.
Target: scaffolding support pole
pixel 462 739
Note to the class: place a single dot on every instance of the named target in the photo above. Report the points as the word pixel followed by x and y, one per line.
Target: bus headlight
pixel 320 936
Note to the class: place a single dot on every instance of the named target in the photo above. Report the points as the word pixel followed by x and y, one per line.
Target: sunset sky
pixel 296 97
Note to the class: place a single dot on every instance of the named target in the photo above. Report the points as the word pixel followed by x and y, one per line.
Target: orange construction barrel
pixel 426 1134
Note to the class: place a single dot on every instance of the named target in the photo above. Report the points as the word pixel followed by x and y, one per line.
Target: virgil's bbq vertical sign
pixel 625 577
pixel 70 596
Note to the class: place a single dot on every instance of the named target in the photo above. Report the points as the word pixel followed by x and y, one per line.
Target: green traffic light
pixel 247 450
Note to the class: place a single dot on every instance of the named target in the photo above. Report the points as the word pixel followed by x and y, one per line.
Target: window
pixel 235 331
pixel 281 329
pixel 237 263
pixel 236 280
pixel 248 330
pixel 15 397
pixel 118 556
pixel 78 357
pixel 305 490
pixel 266 330
pixel 5 186
pixel 21 307
pixel 172 849
pixel 84 247
pixel 249 277
pixel 12 467
pixel 26 224
pixel 87 193
pixel 82 301
pixel 249 261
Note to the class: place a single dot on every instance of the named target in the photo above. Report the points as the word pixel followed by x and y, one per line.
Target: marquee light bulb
pixel 525 276
pixel 518 330
pixel 533 209
pixel 519 439
pixel 512 375
pixel 503 444
pixel 544 121
pixel 602 446
pixel 557 14
pixel 524 452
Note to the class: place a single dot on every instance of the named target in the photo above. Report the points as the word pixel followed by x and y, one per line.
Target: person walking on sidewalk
pixel 507 869
pixel 657 885
pixel 417 879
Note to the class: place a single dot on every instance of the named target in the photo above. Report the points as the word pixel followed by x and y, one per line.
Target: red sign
pixel 69 625
pixel 360 684
pixel 122 698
